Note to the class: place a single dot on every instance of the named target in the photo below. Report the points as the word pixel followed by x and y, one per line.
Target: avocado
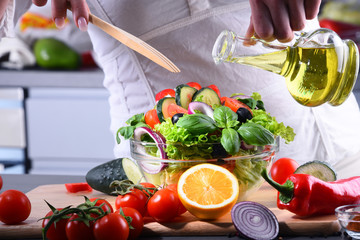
pixel 51 53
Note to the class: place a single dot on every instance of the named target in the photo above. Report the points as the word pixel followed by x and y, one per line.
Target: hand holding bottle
pixel 277 19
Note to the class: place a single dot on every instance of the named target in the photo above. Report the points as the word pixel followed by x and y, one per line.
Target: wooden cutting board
pixel 181 226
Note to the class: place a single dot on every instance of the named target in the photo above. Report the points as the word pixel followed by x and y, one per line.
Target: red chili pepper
pixel 306 195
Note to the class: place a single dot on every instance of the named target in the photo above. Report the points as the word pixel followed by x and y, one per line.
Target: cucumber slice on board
pixel 318 169
pixel 184 95
pixel 208 96
pixel 132 171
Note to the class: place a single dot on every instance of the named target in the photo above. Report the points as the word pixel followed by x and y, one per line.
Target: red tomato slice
pixel 165 93
pixel 195 85
pixel 174 109
pixel 215 88
pixel 78 187
pixel 151 118
pixel 234 104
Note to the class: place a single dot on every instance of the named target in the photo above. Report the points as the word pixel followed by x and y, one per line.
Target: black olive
pixel 243 114
pixel 219 151
pixel 176 117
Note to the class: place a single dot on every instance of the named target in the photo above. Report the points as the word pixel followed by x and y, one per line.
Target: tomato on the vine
pixel 163 206
pixel 15 207
pixel 282 169
pixel 106 207
pixel 78 230
pixel 111 226
pixel 181 208
pixel 58 232
pixel 137 222
pixel 135 199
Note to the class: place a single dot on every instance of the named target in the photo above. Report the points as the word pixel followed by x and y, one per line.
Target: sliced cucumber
pixel 318 169
pixel 184 94
pixel 132 171
pixel 208 96
pixel 162 108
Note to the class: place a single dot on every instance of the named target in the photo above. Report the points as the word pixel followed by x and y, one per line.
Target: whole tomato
pixel 112 226
pixel 106 207
pixel 135 199
pixel 163 206
pixel 58 232
pixel 137 222
pixel 78 230
pixel 15 207
pixel 181 208
pixel 282 169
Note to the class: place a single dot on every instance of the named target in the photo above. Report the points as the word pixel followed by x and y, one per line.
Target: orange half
pixel 208 191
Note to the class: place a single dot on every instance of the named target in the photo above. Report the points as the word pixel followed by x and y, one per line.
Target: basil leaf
pixel 230 140
pixel 225 117
pixel 126 132
pixel 137 118
pixel 197 123
pixel 255 134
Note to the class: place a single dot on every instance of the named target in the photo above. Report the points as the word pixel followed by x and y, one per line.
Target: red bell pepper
pixel 306 195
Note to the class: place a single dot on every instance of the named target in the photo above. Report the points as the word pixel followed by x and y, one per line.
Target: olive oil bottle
pixel 315 72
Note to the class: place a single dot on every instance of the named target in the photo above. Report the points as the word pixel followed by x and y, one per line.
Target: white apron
pixel 185 31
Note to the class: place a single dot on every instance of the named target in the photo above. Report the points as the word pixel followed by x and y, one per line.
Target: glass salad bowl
pixel 246 166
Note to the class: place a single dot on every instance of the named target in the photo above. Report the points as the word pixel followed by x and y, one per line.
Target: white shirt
pixel 185 31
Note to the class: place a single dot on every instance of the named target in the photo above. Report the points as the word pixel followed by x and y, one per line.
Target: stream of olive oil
pixel 312 74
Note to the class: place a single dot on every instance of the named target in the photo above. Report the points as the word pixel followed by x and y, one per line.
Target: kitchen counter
pixel 87 78
pixel 26 183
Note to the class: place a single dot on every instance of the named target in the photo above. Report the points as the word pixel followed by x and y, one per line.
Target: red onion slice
pixel 246 146
pixel 154 166
pixel 254 221
pixel 202 107
pixel 240 96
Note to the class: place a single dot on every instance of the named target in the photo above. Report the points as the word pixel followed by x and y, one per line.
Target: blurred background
pixel 54 112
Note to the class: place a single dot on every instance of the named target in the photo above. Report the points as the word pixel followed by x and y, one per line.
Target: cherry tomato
pixel 194 85
pixel 181 208
pixel 1 182
pixel 151 118
pixel 78 230
pixel 106 207
pixel 58 232
pixel 163 206
pixel 137 221
pixel 165 93
pixel 15 207
pixel 78 187
pixel 174 109
pixel 234 104
pixel 136 199
pixel 282 169
pixel 148 185
pixel 215 88
pixel 112 226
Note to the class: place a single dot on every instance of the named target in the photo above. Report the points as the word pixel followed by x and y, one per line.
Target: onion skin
pixel 160 141
pixel 254 221
pixel 202 107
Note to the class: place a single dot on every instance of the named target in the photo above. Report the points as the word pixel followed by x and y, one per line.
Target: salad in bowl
pixel 192 124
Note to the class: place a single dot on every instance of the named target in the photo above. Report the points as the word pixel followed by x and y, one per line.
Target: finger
pixel 58 8
pixel 249 33
pixel 280 19
pixel 80 11
pixel 311 8
pixel 297 14
pixel 261 20
pixel 39 3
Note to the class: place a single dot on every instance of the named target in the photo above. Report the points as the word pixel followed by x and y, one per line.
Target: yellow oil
pixel 313 75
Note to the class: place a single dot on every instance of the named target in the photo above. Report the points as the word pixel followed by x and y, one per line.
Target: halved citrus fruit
pixel 208 191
